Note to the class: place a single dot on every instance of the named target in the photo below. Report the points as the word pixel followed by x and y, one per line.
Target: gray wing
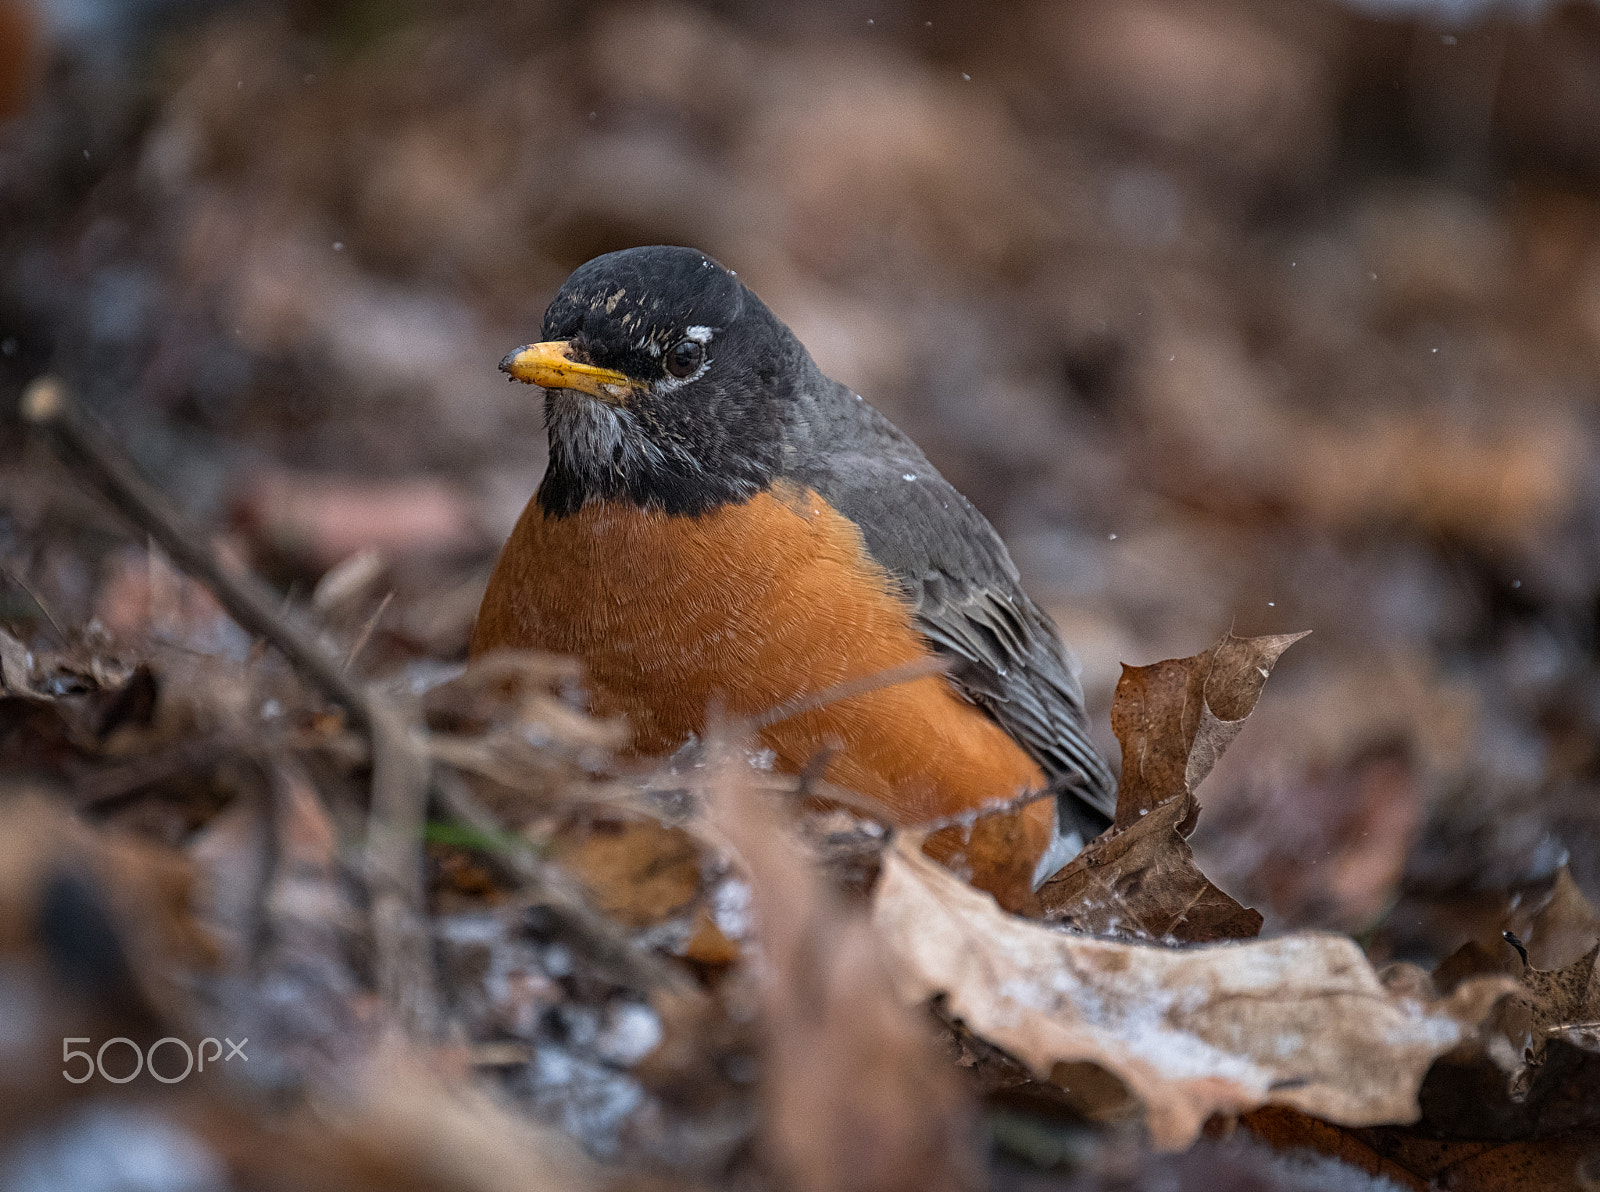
pixel 1005 655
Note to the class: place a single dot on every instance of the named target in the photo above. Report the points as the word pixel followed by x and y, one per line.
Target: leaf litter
pixel 217 809
pixel 1120 974
pixel 1139 991
pixel 1303 1020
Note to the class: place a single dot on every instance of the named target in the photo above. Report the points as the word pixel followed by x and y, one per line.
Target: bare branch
pixel 86 448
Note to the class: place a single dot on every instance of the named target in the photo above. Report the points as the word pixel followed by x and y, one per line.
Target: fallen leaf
pixel 1561 1003
pixel 1565 1162
pixel 16 666
pixel 53 675
pixel 1536 1068
pixel 636 871
pixel 856 1096
pixel 326 519
pixel 145 596
pixel 57 874
pixel 1564 928
pixel 1302 1020
pixel 1142 883
pixel 1286 1129
pixel 1174 719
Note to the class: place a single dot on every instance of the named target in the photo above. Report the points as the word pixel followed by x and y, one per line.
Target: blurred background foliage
pixel 1226 312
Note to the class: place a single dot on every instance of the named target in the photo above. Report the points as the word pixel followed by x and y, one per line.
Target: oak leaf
pixel 1174 719
pixel 1302 1020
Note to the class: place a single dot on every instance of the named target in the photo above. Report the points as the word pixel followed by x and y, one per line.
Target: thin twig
pixel 588 931
pixel 259 930
pixel 15 576
pixel 810 776
pixel 893 676
pixel 966 819
pixel 366 630
pixel 401 776
pixel 52 411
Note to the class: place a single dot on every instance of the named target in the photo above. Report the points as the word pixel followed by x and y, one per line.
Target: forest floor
pixel 1237 319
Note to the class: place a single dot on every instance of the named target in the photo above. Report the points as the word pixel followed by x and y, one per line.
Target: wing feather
pixel 1005 655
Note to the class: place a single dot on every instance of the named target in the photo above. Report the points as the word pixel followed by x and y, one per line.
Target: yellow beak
pixel 551 366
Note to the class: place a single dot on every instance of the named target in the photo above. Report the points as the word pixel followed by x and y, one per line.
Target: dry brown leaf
pixel 1143 883
pixel 1492 485
pixel 856 1097
pixel 1535 1071
pixel 1174 718
pixel 55 675
pixel 1564 928
pixel 16 666
pixel 1286 1129
pixel 1558 1005
pixel 1417 1153
pixel 324 519
pixel 1302 1020
pixel 143 892
pixel 636 871
pixel 1566 1162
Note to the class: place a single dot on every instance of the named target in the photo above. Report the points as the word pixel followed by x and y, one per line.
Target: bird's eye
pixel 685 358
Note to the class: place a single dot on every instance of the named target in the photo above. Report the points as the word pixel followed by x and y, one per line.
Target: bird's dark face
pixel 668 384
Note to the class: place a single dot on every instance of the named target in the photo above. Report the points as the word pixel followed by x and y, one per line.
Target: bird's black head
pixel 668 384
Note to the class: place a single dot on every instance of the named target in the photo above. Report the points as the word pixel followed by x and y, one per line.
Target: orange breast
pixel 755 605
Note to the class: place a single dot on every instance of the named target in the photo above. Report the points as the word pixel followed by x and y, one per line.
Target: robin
pixel 722 523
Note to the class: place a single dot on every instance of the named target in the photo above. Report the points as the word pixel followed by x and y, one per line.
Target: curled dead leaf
pixel 1302 1020
pixel 1143 883
pixel 1536 1068
pixel 856 1097
pixel 1563 928
pixel 1174 719
pixel 1290 1130
pixel 1567 1162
